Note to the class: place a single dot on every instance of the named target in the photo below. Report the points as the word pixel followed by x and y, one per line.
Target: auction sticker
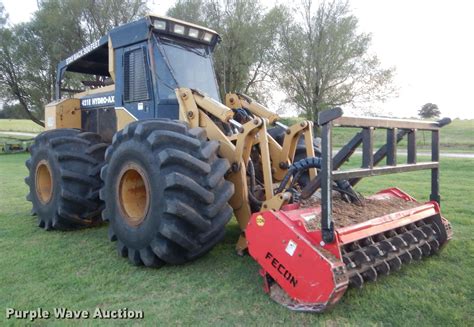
pixel 291 247
pixel 260 220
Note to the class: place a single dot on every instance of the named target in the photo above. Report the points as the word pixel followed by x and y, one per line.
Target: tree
pixel 3 15
pixel 18 82
pixel 323 61
pixel 245 57
pixel 30 52
pixel 99 17
pixel 12 111
pixel 429 110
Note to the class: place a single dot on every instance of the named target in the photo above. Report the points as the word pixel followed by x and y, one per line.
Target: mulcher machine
pixel 149 147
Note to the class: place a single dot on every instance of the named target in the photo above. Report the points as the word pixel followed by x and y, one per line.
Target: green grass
pixel 455 137
pixel 8 139
pixel 81 270
pixel 20 125
pixel 458 136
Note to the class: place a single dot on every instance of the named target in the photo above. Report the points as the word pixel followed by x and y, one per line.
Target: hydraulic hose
pixel 301 165
pixel 253 199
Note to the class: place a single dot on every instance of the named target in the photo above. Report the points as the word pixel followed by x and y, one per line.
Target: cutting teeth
pixel 380 254
pixel 426 249
pixel 434 246
pixel 406 257
pixel 416 253
pixel 395 263
pixel 383 268
pixel 370 274
pixel 356 280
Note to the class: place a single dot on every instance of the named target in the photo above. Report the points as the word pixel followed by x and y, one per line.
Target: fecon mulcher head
pixel 307 263
pixel 149 147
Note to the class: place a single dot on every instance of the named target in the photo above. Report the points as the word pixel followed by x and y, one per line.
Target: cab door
pixel 136 90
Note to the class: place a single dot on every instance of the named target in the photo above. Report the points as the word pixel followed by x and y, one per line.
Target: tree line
pixel 312 52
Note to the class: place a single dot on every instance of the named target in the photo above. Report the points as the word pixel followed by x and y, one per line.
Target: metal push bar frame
pixel 396 130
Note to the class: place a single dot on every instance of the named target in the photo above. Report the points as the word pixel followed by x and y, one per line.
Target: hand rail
pixel 396 130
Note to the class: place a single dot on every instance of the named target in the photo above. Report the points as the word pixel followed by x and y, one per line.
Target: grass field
pixel 20 125
pixel 81 270
pixel 455 137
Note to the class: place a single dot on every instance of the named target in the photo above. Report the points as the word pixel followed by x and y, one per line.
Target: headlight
pixel 179 29
pixel 193 33
pixel 159 24
pixel 208 37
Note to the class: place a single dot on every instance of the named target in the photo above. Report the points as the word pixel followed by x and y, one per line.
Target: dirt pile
pixel 345 214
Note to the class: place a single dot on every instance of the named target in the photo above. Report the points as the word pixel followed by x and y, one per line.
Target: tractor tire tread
pixel 75 158
pixel 194 208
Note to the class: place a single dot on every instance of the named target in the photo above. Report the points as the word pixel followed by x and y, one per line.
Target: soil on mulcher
pixel 345 214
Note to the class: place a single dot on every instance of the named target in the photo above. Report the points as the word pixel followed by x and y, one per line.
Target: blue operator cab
pixel 135 70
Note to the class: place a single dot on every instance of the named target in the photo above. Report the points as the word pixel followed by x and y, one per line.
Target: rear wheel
pixel 165 192
pixel 64 179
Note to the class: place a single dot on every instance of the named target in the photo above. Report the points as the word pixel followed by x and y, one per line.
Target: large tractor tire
pixel 164 191
pixel 278 134
pixel 64 178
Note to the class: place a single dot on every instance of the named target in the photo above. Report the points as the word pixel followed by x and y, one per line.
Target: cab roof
pixel 171 19
pixel 94 58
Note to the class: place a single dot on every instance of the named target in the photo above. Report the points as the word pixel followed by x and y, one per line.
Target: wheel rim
pixel 133 194
pixel 44 182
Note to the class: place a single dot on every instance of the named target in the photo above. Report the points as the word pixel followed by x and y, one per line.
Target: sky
pixel 429 42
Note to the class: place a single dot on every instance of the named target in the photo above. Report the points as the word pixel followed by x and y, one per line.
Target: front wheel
pixel 165 193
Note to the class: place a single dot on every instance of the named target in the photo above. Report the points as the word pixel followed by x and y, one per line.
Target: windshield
pixel 192 67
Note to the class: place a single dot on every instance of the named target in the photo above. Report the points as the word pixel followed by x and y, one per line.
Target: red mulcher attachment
pixel 307 264
pixel 304 273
